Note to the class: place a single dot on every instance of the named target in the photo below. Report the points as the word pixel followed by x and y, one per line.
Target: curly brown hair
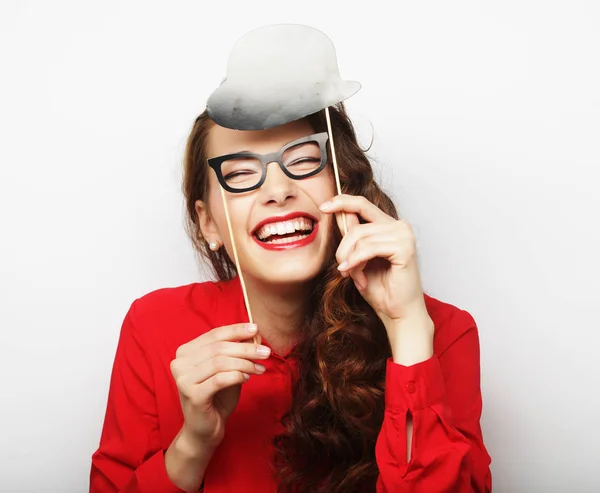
pixel 328 442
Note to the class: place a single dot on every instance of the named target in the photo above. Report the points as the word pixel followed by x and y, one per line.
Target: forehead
pixel 223 140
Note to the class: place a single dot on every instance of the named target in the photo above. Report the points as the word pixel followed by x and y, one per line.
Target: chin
pixel 294 275
pixel 286 273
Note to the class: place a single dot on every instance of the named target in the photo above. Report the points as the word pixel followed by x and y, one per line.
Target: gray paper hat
pixel 277 74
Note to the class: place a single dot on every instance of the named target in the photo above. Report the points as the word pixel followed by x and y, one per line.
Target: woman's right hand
pixel 209 372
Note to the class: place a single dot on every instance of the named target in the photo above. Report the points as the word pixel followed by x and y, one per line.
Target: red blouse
pixel 144 414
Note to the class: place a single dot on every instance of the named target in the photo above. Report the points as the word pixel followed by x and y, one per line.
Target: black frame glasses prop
pixel 321 138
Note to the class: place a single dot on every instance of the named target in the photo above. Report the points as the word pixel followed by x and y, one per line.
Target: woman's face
pixel 280 234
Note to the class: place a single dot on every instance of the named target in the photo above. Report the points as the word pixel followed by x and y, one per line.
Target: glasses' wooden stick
pixel 335 166
pixel 255 339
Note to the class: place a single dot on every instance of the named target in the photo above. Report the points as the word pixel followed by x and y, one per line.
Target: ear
pixel 208 226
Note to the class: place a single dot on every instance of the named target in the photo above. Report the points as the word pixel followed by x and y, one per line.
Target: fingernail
pixel 252 328
pixel 263 350
pixel 260 368
pixel 325 205
pixel 246 376
pixel 343 265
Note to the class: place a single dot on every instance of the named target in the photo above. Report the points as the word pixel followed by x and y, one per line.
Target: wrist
pixel 189 445
pixel 411 340
pixel 186 461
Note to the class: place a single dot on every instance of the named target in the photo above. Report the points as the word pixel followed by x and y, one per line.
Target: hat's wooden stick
pixel 335 166
pixel 256 338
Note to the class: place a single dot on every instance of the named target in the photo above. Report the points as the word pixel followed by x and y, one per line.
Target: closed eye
pixel 306 160
pixel 238 173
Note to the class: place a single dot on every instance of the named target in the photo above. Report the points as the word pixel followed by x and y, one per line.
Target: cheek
pixel 238 207
pixel 215 204
pixel 322 187
pixel 330 179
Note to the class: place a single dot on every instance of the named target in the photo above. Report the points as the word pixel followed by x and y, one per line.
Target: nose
pixel 277 187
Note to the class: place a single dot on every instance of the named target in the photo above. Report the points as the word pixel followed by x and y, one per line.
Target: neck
pixel 279 311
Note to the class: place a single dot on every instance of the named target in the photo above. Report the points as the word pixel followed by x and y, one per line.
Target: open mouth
pixel 282 232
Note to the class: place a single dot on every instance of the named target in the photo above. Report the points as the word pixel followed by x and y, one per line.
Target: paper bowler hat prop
pixel 277 74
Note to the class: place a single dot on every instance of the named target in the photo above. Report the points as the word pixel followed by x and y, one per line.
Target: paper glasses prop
pixel 277 74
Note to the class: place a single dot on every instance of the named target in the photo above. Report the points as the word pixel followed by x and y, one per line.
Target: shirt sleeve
pixel 130 458
pixel 443 396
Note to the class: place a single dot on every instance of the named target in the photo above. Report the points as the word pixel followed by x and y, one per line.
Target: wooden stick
pixel 255 339
pixel 335 166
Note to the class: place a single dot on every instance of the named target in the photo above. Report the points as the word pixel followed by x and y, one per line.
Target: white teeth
pixel 286 240
pixel 283 228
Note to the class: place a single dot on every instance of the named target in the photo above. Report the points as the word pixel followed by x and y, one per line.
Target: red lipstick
pixel 287 217
pixel 292 244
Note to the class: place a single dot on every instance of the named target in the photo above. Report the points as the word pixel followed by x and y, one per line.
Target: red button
pixel 410 387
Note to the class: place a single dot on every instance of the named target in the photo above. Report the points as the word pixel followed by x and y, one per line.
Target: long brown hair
pixel 328 442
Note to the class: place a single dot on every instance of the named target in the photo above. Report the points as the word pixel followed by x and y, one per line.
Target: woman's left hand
pixel 381 258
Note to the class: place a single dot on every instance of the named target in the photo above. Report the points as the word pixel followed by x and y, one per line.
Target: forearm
pixel 186 462
pixel 411 340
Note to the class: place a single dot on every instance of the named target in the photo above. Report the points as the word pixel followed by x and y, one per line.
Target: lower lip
pixel 292 244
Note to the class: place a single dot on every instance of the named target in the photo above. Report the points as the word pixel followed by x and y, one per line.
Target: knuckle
pixel 219 380
pixel 219 347
pixel 180 351
pixel 219 363
pixel 413 239
pixel 351 237
pixel 180 381
pixel 196 397
pixel 219 333
pixel 174 366
pixel 409 243
pixel 406 226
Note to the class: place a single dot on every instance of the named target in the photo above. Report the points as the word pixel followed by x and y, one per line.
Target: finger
pixel 357 204
pixel 359 233
pixel 204 392
pixel 234 332
pixel 351 221
pixel 373 249
pixel 243 350
pixel 359 277
pixel 209 368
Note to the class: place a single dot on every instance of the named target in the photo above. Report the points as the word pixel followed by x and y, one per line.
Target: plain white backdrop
pixel 486 125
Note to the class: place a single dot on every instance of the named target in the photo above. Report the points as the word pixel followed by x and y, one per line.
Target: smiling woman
pixel 361 382
pixel 264 195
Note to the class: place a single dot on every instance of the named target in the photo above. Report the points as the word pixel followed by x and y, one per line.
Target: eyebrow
pixel 251 152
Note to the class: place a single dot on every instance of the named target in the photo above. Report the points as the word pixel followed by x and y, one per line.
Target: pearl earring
pixel 214 246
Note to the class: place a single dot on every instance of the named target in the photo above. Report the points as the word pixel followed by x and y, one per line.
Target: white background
pixel 486 119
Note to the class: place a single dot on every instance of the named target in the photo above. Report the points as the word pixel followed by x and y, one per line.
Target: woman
pixel 362 382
